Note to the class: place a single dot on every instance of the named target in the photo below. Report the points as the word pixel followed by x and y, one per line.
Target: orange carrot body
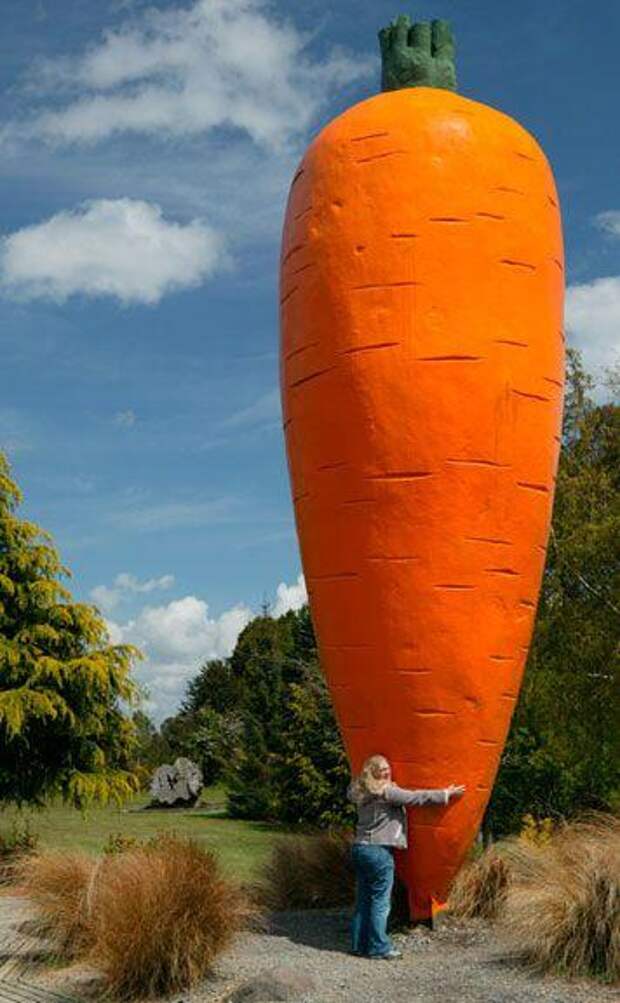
pixel 422 382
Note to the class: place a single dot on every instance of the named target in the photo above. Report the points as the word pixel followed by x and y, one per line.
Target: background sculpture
pixel 177 785
pixel 422 383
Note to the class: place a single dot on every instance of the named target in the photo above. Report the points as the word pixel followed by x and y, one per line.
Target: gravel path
pixel 460 962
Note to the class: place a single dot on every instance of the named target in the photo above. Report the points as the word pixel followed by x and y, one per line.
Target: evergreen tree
pixel 563 752
pixel 62 727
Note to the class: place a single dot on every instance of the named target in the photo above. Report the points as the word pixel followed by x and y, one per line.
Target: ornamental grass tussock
pixel 163 915
pixel 563 913
pixel 61 886
pixel 479 889
pixel 308 872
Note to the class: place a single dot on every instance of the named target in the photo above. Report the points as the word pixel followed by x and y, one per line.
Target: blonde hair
pixel 366 784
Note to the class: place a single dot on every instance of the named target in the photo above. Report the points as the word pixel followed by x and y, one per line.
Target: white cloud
pixel 177 639
pixel 290 597
pixel 122 248
pixel 593 312
pixel 188 69
pixel 609 221
pixel 124 585
pixel 264 410
pixel 125 419
pixel 593 322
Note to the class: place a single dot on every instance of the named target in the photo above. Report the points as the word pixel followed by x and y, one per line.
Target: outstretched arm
pixel 404 796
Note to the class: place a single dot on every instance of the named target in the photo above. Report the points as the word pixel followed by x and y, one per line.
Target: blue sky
pixel 146 154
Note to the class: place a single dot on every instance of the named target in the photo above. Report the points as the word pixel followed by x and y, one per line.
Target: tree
pixel 62 684
pixel 563 752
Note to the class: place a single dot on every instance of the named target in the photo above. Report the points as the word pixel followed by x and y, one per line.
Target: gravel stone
pixel 274 985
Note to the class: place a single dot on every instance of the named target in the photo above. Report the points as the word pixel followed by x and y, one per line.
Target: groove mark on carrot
pixel 434 712
pixel 294 250
pixel 386 285
pixel 447 219
pixel 506 188
pixel 502 571
pixel 533 487
pixel 299 174
pixel 303 212
pixel 525 156
pixel 449 358
pixel 511 262
pixel 298 351
pixel 369 348
pixel 488 741
pixel 557 262
pixel 552 201
pixel 379 156
pixel 413 672
pixel 303 268
pixel 309 377
pixel 298 498
pixel 453 586
pixel 490 215
pixel 288 295
pixel 477 463
pixel 332 466
pixel 370 135
pixel 508 341
pixel 488 539
pixel 502 658
pixel 401 475
pixel 557 383
pixel 404 236
pixel 527 602
pixel 536 397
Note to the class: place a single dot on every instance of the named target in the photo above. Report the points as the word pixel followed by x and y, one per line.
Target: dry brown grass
pixel 162 916
pixel 308 872
pixel 479 889
pixel 60 886
pixel 562 914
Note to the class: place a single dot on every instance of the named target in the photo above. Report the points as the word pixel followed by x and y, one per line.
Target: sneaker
pixel 390 956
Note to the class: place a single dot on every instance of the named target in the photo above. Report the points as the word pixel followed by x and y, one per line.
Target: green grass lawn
pixel 242 846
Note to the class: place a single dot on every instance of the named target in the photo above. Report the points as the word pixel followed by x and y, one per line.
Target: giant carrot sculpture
pixel 422 376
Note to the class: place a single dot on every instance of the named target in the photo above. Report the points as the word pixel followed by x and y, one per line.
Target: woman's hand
pixel 455 791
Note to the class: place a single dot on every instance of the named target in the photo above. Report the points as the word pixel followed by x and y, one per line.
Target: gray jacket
pixel 382 818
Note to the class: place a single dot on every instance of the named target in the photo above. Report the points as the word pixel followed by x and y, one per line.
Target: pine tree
pixel 62 684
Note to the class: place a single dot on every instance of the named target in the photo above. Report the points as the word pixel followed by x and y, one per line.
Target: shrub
pixel 480 887
pixel 118 842
pixel 308 872
pixel 537 831
pixel 563 914
pixel 18 843
pixel 163 914
pixel 61 887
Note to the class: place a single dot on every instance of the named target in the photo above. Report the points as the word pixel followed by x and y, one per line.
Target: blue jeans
pixel 374 870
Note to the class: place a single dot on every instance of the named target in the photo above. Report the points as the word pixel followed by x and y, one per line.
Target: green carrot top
pixel 417 54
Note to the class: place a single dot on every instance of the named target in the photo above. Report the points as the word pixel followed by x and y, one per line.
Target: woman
pixel 381 825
